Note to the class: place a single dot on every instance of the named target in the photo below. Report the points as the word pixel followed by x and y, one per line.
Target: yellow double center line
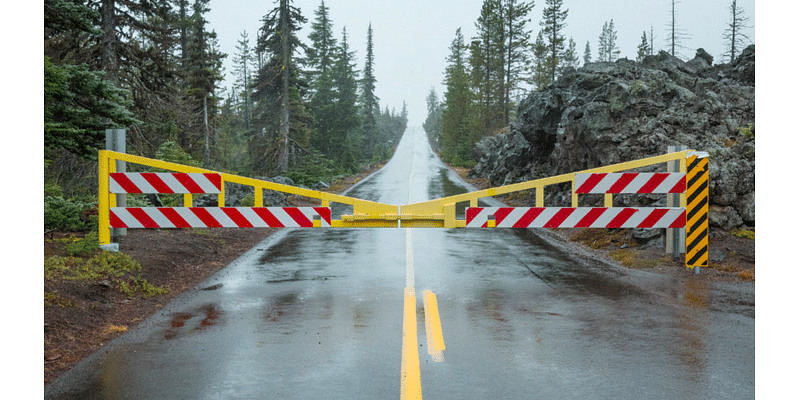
pixel 410 384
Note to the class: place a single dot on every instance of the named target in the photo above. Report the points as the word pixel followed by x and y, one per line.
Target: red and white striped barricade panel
pixel 570 217
pixel 220 217
pixel 657 182
pixel 164 182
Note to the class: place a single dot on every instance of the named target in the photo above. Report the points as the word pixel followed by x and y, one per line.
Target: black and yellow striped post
pixel 697 209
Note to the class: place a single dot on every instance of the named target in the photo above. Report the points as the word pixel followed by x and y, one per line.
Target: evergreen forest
pixel 487 75
pixel 300 106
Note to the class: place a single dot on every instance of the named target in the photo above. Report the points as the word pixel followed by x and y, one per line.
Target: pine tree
pixel 602 44
pixel 242 69
pixel 553 23
pixel 611 46
pixel 516 49
pixel 487 61
pixel 456 115
pixel 283 125
pixel 587 54
pixel 319 55
pixel 346 127
pixel 540 76
pixel 319 58
pixel 433 122
pixel 734 37
pixel 204 63
pixel 79 105
pixel 608 50
pixel 370 109
pixel 643 49
pixel 570 57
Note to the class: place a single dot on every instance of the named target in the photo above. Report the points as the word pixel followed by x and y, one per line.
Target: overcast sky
pixel 411 37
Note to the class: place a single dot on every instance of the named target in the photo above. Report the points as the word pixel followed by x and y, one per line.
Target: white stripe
pixel 512 217
pixel 158 217
pixel 283 217
pixel 544 217
pixel 187 214
pixel 604 218
pixel 252 217
pixel 637 183
pixel 204 183
pixel 114 187
pixel 576 216
pixel 172 183
pixel 605 184
pixel 126 217
pixel 221 217
pixel 669 183
pixel 141 183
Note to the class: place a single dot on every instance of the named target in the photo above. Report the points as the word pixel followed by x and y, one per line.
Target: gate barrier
pixel 691 182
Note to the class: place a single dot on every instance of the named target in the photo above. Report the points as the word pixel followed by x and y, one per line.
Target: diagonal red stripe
pixel 189 183
pixel 298 217
pixel 174 217
pixel 122 179
pixel 653 218
pixel 473 212
pixel 622 182
pixel 237 217
pixel 325 213
pixel 115 222
pixel 559 218
pixel 590 183
pixel 501 214
pixel 215 179
pixel 267 216
pixel 142 217
pixel 653 183
pixel 621 218
pixel 206 217
pixel 155 181
pixel 679 187
pixel 590 217
pixel 529 216
pixel 679 222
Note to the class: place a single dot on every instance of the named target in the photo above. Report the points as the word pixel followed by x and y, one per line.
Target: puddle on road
pixel 196 320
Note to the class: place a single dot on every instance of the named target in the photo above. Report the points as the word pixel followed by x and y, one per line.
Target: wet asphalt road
pixel 311 314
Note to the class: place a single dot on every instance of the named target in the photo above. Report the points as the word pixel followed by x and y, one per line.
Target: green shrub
pixel 69 214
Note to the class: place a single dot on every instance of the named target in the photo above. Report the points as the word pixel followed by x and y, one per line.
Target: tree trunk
pixel 283 160
pixel 207 130
pixel 108 25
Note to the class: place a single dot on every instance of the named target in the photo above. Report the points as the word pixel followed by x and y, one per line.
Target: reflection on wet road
pixel 321 314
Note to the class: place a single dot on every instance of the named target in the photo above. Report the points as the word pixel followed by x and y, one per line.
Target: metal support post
pixel 115 141
pixel 676 237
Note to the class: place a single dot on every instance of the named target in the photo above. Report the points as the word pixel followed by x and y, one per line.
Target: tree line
pixel 486 75
pixel 155 68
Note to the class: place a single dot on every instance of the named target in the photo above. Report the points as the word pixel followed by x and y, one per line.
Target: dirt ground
pixel 89 314
pixel 84 315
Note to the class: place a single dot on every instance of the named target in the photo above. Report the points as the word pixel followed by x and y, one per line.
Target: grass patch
pixel 630 258
pixel 118 268
pixel 115 329
pixel 744 233
pixel 602 238
pixel 209 234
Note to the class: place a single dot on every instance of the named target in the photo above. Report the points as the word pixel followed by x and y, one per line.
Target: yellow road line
pixel 433 327
pixel 410 385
